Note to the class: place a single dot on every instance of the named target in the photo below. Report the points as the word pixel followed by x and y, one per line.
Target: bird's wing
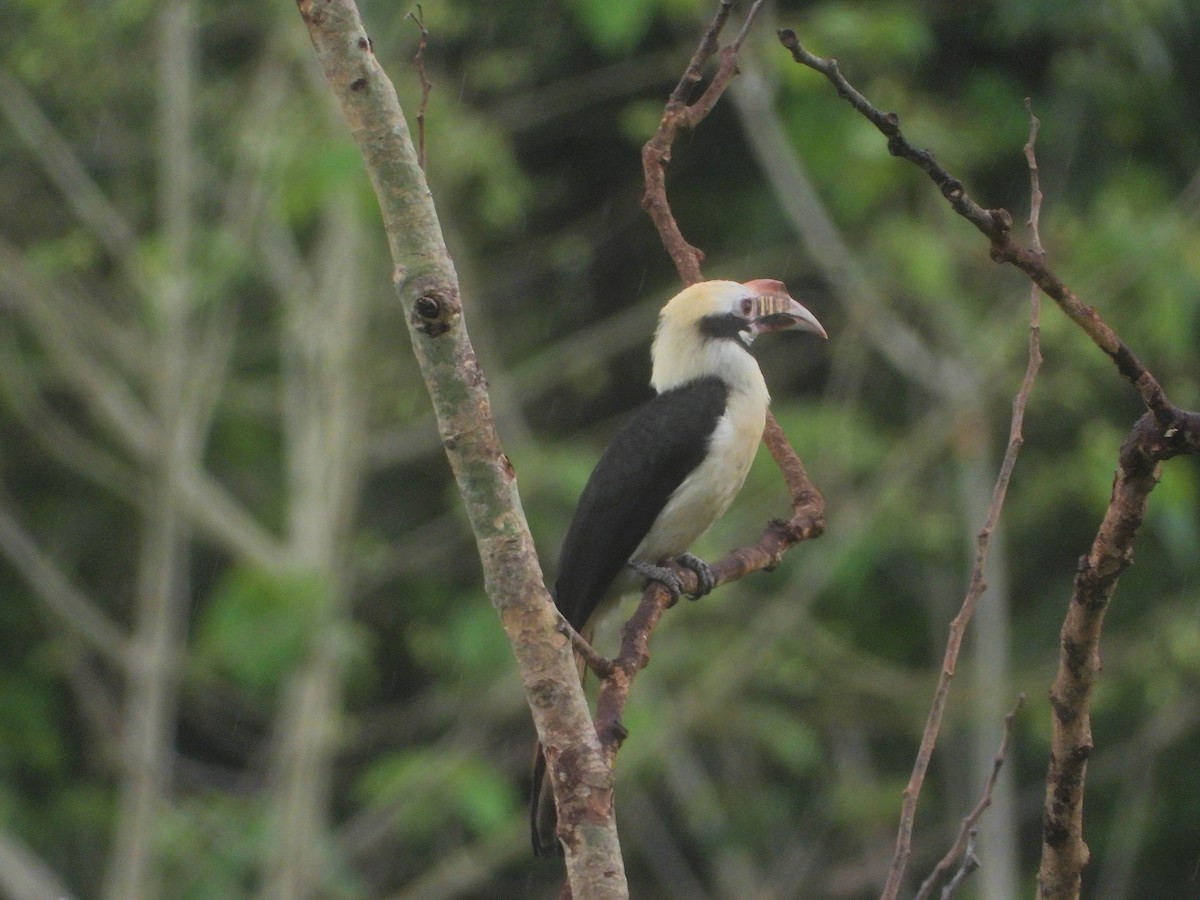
pixel 642 467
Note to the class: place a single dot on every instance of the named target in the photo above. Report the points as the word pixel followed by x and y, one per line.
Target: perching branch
pixel 1163 432
pixel 808 507
pixel 427 288
pixel 779 536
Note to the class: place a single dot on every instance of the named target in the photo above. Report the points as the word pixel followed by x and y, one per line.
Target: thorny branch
pixel 1163 432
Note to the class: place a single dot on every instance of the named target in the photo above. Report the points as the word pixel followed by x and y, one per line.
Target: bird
pixel 673 469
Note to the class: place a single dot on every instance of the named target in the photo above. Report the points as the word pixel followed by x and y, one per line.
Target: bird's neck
pixel 679 359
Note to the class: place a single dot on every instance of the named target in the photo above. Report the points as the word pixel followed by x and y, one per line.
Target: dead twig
pixel 679 115
pixel 1163 432
pixel 975 588
pixel 418 16
pixel 963 846
pixel 969 864
pixel 996 225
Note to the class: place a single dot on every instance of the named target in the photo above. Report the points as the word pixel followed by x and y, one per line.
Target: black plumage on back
pixel 647 460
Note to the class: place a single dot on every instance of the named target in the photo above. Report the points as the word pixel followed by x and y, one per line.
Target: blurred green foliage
pixel 777 723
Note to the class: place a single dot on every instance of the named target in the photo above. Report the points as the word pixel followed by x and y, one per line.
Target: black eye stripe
pixel 725 326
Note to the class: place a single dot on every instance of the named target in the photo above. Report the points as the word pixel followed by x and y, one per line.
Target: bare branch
pixel 975 590
pixel 427 288
pixel 600 666
pixel 426 85
pixel 964 842
pixel 996 225
pixel 678 116
pixel 1035 184
pixel 1064 853
pixel 969 864
pixel 1163 432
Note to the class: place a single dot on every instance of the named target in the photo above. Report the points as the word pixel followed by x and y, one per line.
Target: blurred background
pixel 244 647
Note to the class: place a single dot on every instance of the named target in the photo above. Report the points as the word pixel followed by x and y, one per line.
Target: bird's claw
pixel 705 580
pixel 662 575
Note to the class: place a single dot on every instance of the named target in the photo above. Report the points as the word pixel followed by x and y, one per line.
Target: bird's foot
pixel 662 575
pixel 705 580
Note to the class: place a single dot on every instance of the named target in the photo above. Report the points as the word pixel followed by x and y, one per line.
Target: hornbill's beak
pixel 774 310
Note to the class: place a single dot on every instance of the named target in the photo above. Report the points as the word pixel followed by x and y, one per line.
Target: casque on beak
pixel 774 310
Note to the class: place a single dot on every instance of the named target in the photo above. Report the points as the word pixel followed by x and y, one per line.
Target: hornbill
pixel 674 468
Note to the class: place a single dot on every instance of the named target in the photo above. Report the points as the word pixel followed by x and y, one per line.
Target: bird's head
pixel 706 328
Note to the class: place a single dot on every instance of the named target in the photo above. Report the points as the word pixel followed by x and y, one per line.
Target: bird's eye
pixel 747 306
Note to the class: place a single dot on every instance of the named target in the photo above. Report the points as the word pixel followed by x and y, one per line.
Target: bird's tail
pixel 543 816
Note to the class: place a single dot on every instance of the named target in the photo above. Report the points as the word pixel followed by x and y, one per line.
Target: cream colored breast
pixel 706 493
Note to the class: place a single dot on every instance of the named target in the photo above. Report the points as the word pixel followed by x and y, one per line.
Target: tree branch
pixel 966 832
pixel 1163 432
pixel 1064 853
pixel 975 588
pixel 678 116
pixel 996 225
pixel 427 288
pixel 808 506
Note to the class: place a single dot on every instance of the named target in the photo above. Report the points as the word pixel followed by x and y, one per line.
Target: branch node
pixel 600 665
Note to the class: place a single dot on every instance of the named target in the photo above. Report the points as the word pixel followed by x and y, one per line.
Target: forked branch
pixel 808 507
pixel 1163 432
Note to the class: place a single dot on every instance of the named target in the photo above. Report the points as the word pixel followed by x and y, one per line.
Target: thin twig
pixel 975 589
pixel 426 85
pixel 1163 432
pixel 599 664
pixel 969 864
pixel 1035 185
pixel 996 225
pixel 678 115
pixel 964 842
